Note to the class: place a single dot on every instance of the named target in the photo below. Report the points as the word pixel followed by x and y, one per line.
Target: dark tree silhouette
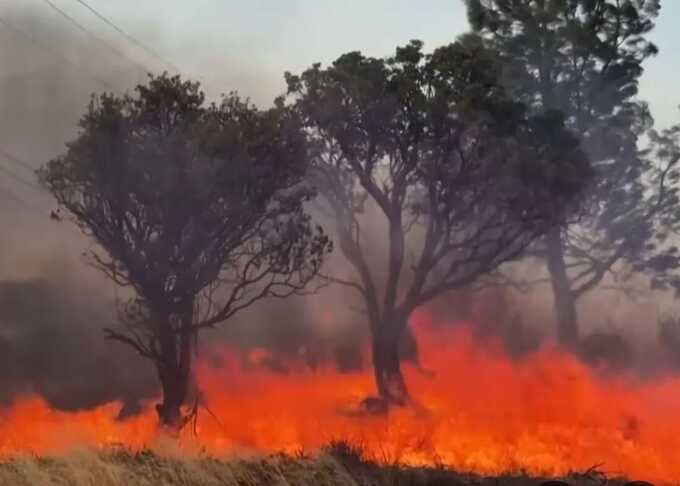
pixel 662 259
pixel 197 208
pixel 583 58
pixel 456 172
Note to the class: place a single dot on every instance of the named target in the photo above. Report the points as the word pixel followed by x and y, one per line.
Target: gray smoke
pixel 53 307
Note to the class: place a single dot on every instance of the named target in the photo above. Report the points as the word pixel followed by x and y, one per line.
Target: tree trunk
pixel 408 347
pixel 174 368
pixel 387 363
pixel 565 303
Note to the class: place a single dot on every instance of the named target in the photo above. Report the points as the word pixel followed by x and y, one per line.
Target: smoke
pixel 53 307
pixel 51 343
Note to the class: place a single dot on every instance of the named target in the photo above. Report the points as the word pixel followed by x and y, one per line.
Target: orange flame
pixel 478 411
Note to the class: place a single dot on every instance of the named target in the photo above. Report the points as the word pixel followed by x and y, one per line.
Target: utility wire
pixel 128 36
pixel 47 48
pixel 31 185
pixel 94 36
pixel 136 42
pixel 21 202
pixel 20 163
pixel 16 160
pixel 20 179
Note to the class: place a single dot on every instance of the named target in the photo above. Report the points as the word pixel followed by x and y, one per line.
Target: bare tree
pixel 462 179
pixel 198 209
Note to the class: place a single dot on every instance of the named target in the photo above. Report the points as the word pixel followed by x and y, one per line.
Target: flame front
pixel 478 410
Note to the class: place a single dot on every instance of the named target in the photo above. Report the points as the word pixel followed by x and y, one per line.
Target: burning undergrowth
pixel 477 409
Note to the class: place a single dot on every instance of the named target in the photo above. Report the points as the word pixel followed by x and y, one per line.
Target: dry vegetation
pixel 340 465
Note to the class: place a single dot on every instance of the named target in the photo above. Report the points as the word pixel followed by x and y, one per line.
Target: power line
pixel 47 48
pixel 21 163
pixel 21 202
pixel 16 160
pixel 93 35
pixel 128 36
pixel 31 185
pixel 20 179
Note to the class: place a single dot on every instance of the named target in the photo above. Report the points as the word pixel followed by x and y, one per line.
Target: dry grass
pixel 339 465
pixel 147 469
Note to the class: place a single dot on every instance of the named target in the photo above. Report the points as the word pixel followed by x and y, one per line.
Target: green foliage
pixel 664 256
pixel 584 58
pixel 463 176
pixel 435 142
pixel 185 197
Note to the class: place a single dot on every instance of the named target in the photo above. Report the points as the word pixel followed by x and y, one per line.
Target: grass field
pixel 339 465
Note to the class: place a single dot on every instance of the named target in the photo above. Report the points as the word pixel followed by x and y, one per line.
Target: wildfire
pixel 478 410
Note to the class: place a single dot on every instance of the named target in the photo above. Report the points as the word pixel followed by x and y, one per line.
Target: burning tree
pixel 198 209
pixel 584 58
pixel 462 180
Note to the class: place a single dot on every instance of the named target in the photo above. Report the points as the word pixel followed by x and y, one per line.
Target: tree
pixel 456 172
pixel 197 208
pixel 662 259
pixel 583 58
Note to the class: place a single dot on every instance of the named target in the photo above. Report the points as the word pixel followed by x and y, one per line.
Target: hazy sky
pixel 247 44
pixel 243 45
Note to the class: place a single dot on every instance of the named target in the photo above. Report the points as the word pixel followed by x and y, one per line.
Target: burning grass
pixel 340 464
pixel 480 411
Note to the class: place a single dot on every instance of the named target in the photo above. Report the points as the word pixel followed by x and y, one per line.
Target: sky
pixel 247 45
pixel 243 45
pixel 49 72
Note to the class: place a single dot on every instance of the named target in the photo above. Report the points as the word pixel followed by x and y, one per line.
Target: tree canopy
pixel 459 172
pixel 198 208
pixel 584 58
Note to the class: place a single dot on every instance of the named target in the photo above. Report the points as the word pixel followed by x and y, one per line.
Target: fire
pixel 477 410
